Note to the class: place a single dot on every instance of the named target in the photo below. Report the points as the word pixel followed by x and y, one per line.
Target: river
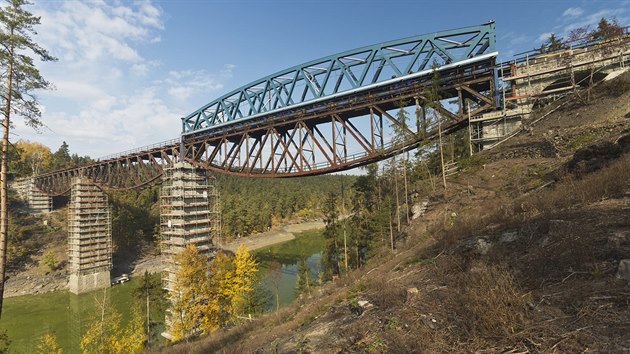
pixel 307 245
pixel 26 318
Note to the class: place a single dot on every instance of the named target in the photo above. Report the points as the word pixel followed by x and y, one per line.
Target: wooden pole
pixel 441 149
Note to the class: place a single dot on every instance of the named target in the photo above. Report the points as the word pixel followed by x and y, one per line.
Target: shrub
pixel 49 261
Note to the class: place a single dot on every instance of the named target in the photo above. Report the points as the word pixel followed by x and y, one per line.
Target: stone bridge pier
pixel 189 215
pixel 89 237
pixel 36 200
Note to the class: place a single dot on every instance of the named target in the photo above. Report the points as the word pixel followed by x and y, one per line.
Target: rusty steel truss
pixel 316 139
pixel 331 114
pixel 130 170
pixel 344 134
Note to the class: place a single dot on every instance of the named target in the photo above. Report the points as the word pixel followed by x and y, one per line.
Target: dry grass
pixel 570 192
pixel 489 301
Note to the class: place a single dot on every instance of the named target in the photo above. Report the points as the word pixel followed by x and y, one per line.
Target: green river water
pixel 27 318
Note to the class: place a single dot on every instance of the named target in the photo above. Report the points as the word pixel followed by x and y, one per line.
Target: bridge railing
pixel 136 151
pixel 576 44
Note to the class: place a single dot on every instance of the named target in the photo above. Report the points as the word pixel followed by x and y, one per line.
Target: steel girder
pixel 343 73
pixel 134 169
pixel 309 141
pixel 342 117
pixel 341 134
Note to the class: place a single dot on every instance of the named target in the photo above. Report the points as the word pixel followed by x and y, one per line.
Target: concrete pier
pixel 89 238
pixel 189 214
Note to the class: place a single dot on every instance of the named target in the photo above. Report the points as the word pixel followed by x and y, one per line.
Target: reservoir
pixel 26 318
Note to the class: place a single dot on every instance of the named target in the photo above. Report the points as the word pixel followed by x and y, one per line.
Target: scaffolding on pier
pixel 37 201
pixel 189 214
pixel 89 236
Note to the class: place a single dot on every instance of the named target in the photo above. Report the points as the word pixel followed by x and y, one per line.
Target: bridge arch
pixel 326 115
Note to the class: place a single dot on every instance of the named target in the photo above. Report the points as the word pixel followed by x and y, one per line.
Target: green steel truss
pixel 342 74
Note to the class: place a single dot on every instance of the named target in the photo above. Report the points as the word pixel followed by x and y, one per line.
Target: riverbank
pixel 31 281
pixel 153 264
pixel 272 237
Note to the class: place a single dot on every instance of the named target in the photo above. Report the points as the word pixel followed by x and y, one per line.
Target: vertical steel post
pixel 372 128
pixel 470 147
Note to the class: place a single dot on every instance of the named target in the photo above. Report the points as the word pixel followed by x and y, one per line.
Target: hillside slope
pixel 519 255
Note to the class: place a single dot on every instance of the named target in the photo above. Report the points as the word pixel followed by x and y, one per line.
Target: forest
pixel 248 205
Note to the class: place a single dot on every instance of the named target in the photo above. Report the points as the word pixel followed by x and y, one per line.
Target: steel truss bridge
pixel 326 115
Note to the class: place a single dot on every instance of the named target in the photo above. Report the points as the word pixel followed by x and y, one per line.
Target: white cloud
pixel 186 83
pixel 109 95
pixel 227 70
pixel 111 124
pixel 96 30
pixel 78 90
pixel 573 12
pixel 544 36
pixel 515 39
pixel 590 21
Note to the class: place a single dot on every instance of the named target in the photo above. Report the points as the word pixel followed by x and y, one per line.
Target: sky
pixel 129 70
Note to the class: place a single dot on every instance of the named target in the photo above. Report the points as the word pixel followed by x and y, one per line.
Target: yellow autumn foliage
pixel 48 345
pixel 207 297
pixel 108 335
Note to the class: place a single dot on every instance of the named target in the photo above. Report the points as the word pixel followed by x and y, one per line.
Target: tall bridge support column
pixel 89 237
pixel 189 214
pixel 37 201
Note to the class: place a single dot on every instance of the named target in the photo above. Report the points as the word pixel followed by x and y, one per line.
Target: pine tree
pixel 607 29
pixel 303 281
pixel 22 78
pixel 61 157
pixel 552 44
pixel 152 298
pixel 331 254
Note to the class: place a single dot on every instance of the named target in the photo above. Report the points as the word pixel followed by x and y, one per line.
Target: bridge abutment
pixel 541 78
pixel 89 237
pixel 189 215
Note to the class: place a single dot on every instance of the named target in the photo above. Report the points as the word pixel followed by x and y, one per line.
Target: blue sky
pixel 128 71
